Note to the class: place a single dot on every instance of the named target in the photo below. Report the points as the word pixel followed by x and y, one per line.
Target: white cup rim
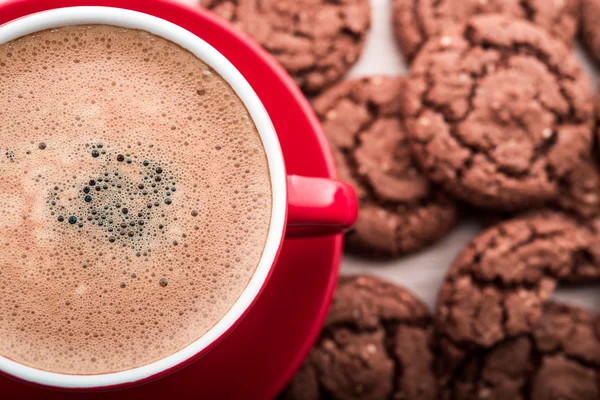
pixel 87 15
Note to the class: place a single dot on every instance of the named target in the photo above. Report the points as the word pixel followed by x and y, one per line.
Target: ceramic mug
pixel 300 205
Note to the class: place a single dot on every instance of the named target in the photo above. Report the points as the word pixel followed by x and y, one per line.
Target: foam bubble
pixel 134 204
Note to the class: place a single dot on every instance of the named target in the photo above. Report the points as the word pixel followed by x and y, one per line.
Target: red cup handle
pixel 319 206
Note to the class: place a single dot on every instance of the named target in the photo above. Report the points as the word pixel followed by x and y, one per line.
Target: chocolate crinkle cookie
pixel 559 359
pixel 316 41
pixel 416 21
pixel 496 288
pixel 399 210
pixel 499 113
pixel 375 345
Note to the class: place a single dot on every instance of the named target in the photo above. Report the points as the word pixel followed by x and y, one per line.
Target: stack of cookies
pixel 496 121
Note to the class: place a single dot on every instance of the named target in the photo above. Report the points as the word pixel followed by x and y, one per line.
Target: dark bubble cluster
pixel 10 155
pixel 123 201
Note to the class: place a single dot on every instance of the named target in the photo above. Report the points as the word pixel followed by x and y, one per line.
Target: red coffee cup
pixel 300 206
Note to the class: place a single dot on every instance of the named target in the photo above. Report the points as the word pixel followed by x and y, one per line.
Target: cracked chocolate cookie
pixel 496 288
pixel 316 41
pixel 498 114
pixel 416 21
pixel 375 345
pixel 558 359
pixel 399 210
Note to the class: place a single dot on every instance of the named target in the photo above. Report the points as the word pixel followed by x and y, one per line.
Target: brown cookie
pixel 498 114
pixel 558 359
pixel 317 41
pixel 399 210
pixel 416 21
pixel 374 346
pixel 497 286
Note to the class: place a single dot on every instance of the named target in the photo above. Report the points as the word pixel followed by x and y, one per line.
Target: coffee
pixel 135 199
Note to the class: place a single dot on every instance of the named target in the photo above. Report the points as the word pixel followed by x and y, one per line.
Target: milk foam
pixel 135 199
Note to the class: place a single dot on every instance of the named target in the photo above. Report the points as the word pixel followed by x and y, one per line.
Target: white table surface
pixel 423 272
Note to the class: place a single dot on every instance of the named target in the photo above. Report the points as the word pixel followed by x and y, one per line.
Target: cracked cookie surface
pixel 374 346
pixel 558 359
pixel 499 113
pixel 496 289
pixel 399 210
pixel 416 21
pixel 316 41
